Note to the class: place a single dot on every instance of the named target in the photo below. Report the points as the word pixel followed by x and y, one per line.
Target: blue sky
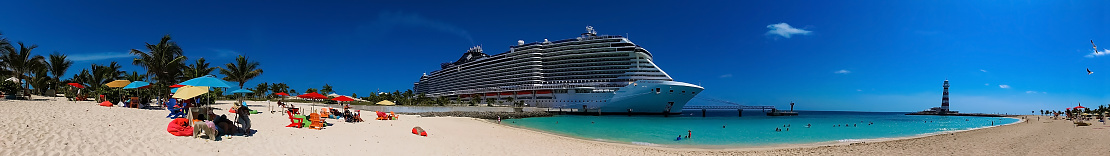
pixel 1001 56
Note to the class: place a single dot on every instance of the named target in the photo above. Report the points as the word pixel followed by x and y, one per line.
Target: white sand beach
pixel 47 127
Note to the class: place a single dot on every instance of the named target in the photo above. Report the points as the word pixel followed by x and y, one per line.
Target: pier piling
pixel 703 113
pixel 740 112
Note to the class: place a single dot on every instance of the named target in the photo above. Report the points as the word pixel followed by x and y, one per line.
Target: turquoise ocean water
pixel 723 129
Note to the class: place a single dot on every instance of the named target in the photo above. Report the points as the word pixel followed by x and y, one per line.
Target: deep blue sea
pixel 724 129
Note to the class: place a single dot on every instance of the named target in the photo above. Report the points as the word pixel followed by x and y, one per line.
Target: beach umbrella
pixel 244 91
pixel 137 84
pixel 343 98
pixel 282 94
pixel 188 92
pixel 176 86
pixel 312 95
pixel 207 81
pixel 118 83
pixel 173 90
pixel 386 102
pixel 78 85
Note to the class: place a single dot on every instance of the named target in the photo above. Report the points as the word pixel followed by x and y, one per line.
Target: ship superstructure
pixel 589 73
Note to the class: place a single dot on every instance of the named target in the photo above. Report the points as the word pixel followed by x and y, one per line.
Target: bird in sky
pixel 1094 46
pixel 1089 71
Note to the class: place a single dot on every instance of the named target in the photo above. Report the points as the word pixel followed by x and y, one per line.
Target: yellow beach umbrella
pixel 118 83
pixel 190 92
pixel 386 102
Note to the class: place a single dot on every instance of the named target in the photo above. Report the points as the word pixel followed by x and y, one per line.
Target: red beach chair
pixel 294 122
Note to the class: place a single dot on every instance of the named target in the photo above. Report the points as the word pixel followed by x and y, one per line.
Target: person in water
pixel 688 133
pixel 679 138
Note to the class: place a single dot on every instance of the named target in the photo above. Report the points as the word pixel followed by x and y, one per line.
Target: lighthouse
pixel 944 100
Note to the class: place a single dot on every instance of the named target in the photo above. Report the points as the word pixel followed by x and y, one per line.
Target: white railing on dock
pixel 726 107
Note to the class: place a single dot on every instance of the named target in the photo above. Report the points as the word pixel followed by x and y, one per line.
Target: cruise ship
pixel 603 74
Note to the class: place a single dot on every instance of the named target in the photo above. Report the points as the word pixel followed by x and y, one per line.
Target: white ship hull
pixel 640 98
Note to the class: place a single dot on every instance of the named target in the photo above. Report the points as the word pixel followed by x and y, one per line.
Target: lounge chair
pixel 324 112
pixel 294 122
pixel 133 103
pixel 317 124
pixel 176 111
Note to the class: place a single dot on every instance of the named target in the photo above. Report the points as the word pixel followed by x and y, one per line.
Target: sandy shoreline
pixel 45 127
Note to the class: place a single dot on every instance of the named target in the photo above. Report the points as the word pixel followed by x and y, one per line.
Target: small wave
pixel 850 140
pixel 644 143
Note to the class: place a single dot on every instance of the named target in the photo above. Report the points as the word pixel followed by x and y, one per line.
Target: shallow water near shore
pixel 723 129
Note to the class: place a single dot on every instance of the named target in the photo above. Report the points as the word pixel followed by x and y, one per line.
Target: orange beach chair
pixel 316 123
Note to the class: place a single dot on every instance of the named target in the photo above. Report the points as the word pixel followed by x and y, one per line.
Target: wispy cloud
pixel 842 71
pixel 388 21
pixel 1094 54
pixel 785 30
pixel 1035 92
pixel 1004 86
pixel 987 84
pixel 859 90
pixel 983 70
pixel 226 53
pixel 98 56
pixel 726 76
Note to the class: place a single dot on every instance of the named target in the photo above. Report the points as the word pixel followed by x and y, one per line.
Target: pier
pixel 739 108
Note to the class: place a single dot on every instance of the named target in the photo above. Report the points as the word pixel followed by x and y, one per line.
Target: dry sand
pixel 46 127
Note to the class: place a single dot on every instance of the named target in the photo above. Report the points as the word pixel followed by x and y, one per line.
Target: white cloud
pixel 226 53
pixel 842 71
pixel 1094 54
pixel 98 56
pixel 1004 86
pixel 983 70
pixel 986 84
pixel 785 30
pixel 859 90
pixel 726 76
pixel 1034 92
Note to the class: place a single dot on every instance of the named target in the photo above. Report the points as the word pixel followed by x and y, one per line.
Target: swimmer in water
pixel 807 125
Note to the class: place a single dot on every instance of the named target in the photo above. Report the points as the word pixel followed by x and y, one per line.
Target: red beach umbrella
pixel 282 94
pixel 343 98
pixel 78 85
pixel 313 96
pixel 177 86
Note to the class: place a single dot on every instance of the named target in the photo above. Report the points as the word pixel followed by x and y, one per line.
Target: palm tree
pixel 134 76
pixel 278 87
pixel 163 60
pixel 489 101
pixel 59 64
pixel 310 90
pixel 40 80
pixel 198 69
pixel 326 89
pixel 293 91
pixel 241 70
pixel 20 62
pixel 261 89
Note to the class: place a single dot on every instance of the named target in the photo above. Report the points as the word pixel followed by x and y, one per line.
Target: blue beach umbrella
pixel 136 84
pixel 208 81
pixel 242 91
pixel 174 90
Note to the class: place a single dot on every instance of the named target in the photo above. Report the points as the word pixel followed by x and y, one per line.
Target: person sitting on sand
pixel 244 119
